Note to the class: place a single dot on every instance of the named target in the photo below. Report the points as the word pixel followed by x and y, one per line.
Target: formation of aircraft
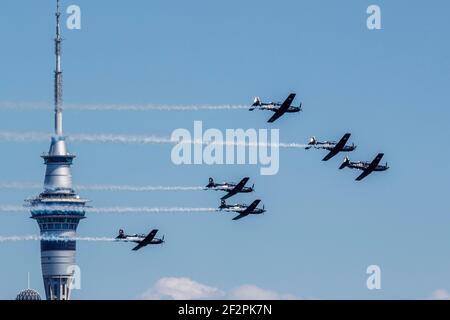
pixel 277 107
pixel 366 167
pixel 243 209
pixel 335 147
pixel 141 239
pixel 229 187
pixel 232 189
pixel 332 146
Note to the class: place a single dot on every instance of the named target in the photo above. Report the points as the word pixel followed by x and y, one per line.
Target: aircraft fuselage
pixel 137 238
pixel 361 165
pixel 274 107
pixel 131 237
pixel 331 145
pixel 238 208
pixel 233 207
pixel 229 187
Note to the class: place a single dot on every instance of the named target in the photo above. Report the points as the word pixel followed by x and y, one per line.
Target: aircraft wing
pixel 247 211
pixel 331 154
pixel 364 174
pixel 371 167
pixel 140 245
pixel 283 108
pixel 251 207
pixel 343 141
pixel 240 216
pixel 236 189
pixel 337 148
pixel 146 240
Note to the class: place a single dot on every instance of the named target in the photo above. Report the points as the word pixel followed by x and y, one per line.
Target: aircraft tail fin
pixel 344 163
pixel 312 142
pixel 256 103
pixel 121 234
pixel 210 183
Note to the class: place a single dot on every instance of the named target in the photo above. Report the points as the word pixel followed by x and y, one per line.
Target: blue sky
pixel 389 88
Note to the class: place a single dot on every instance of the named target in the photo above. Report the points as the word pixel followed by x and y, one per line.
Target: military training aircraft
pixel 367 167
pixel 229 187
pixel 242 209
pixel 332 146
pixel 141 239
pixel 279 108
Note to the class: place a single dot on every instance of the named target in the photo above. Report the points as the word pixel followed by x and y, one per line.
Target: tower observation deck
pixel 58 209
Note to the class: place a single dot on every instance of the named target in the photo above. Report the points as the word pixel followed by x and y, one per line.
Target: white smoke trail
pixel 120 139
pixel 18 238
pixel 149 210
pixel 118 107
pixel 20 185
pixel 149 107
pixel 31 185
pixel 12 208
pixel 141 139
pixel 105 210
pixel 90 239
pixel 9 136
pixel 54 238
pixel 135 188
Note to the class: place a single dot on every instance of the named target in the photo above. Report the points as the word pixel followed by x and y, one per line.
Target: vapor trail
pixel 121 139
pixel 119 107
pixel 9 136
pixel 106 210
pixel 135 188
pixel 12 208
pixel 18 238
pixel 149 210
pixel 53 238
pixel 20 185
pixel 32 185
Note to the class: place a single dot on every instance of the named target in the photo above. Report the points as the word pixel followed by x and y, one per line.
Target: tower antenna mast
pixel 58 74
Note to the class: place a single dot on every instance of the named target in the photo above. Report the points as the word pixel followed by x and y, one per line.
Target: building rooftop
pixel 28 294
